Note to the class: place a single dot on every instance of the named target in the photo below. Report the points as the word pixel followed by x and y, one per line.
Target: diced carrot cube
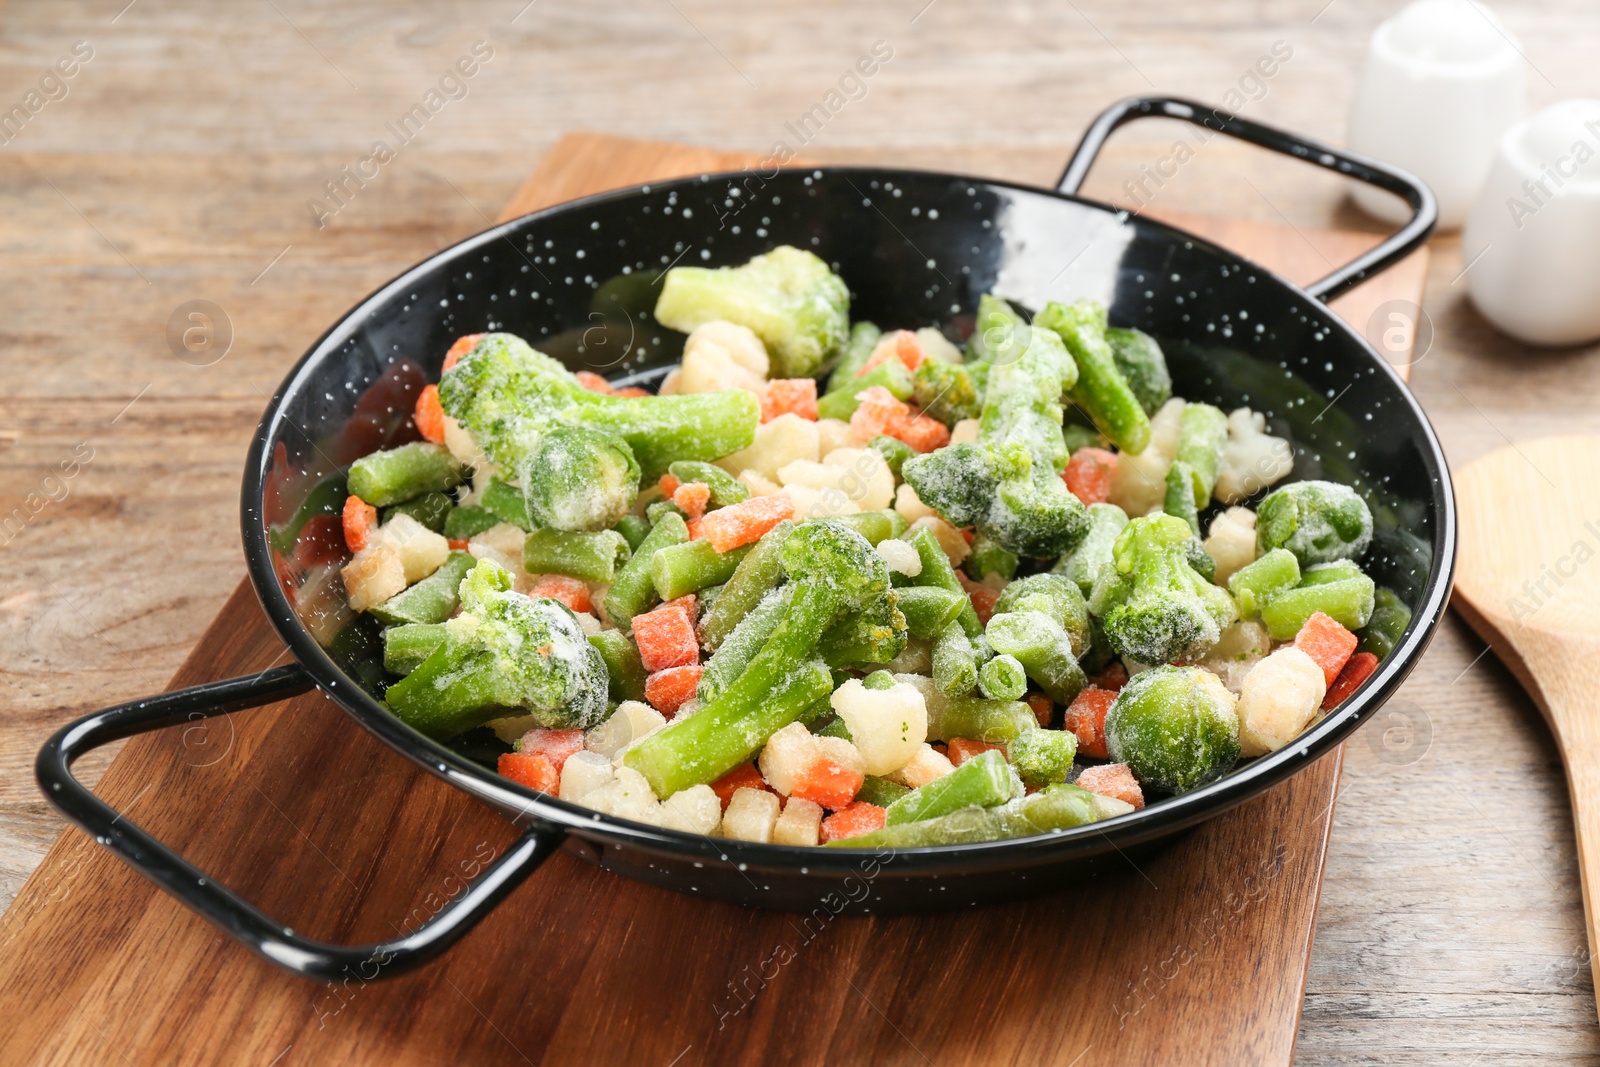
pixel 688 602
pixel 1113 780
pixel 668 690
pixel 744 776
pixel 570 591
pixel 790 396
pixel 961 749
pixel 827 783
pixel 553 745
pixel 694 528
pixel 983 597
pixel 458 544
pixel 668 485
pixel 666 638
pixel 740 524
pixel 922 432
pixel 631 391
pixel 533 770
pixel 359 520
pixel 1043 708
pixel 463 345
pixel 877 410
pixel 902 345
pixel 1113 678
pixel 1327 642
pixel 692 497
pixel 1357 670
pixel 859 818
pixel 429 415
pixel 1086 718
pixel 1088 474
pixel 593 382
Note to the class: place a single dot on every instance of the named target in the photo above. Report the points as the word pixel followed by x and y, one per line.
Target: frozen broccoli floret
pixel 509 396
pixel 946 391
pixel 1008 482
pixel 1043 757
pixel 1319 522
pixel 505 650
pixel 876 634
pixel 1175 728
pixel 580 479
pixel 789 298
pixel 1143 366
pixel 1154 606
pixel 1055 596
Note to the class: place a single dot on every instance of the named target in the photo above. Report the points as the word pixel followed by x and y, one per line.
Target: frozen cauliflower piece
pixel 1232 542
pixel 935 345
pixel 926 765
pixel 901 557
pixel 812 503
pixel 633 721
pixel 583 773
pixel 1235 655
pixel 800 823
pixel 910 505
pixel 421 550
pixel 1253 458
pixel 628 796
pixel 834 434
pixel 373 575
pixel 758 485
pixel 695 810
pixel 751 815
pixel 887 726
pixel 1279 697
pixel 780 442
pixel 461 445
pixel 965 431
pixel 1139 482
pixel 861 475
pixel 1165 426
pixel 722 355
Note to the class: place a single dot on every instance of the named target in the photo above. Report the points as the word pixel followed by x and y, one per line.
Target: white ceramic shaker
pixel 1443 81
pixel 1531 248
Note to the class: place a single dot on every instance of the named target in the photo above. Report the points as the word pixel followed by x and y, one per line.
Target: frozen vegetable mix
pixel 853 585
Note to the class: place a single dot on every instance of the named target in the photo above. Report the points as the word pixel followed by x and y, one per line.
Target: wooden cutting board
pixel 1197 955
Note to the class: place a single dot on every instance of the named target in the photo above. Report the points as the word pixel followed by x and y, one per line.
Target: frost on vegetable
pixel 508 396
pixel 788 298
pixel 1008 482
pixel 1153 605
pixel 1175 727
pixel 1320 522
pixel 1277 700
pixel 505 650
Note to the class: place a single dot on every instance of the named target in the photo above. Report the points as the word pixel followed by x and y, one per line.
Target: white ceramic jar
pixel 1531 248
pixel 1443 81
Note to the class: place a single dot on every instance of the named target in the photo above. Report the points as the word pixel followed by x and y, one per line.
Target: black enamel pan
pixel 915 247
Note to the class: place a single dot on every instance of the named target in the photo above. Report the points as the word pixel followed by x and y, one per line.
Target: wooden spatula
pixel 1528 580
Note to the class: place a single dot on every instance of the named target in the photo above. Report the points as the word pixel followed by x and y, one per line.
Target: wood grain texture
pixel 1529 584
pixel 1230 907
pixel 190 144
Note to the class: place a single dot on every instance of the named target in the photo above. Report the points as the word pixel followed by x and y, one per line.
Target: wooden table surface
pixel 180 165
